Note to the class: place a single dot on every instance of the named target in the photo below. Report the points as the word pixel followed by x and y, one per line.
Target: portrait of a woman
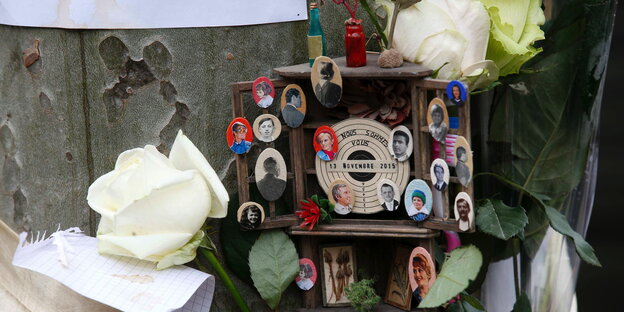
pixel 251 217
pixel 438 128
pixel 304 280
pixel 326 140
pixel 263 91
pixel 417 210
pixel 421 274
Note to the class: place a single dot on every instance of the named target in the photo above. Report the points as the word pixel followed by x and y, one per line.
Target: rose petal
pixel 148 247
pixel 184 156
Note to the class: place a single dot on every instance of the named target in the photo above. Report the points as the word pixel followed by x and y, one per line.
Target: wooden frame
pixel 335 290
pixel 399 275
pixel 302 171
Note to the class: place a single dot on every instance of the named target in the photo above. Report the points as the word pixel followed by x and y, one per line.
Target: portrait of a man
pixel 438 177
pixel 239 144
pixel 292 110
pixel 327 92
pixel 461 168
pixel 463 211
pixel 388 195
pixel 401 143
pixel 342 195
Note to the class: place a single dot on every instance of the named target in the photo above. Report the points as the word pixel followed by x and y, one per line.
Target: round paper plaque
pixel 362 160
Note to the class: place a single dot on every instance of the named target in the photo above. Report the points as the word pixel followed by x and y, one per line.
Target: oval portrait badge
pixel 463 160
pixel 421 272
pixel 250 215
pixel 402 143
pixel 239 136
pixel 439 174
pixel 267 128
pixel 463 211
pixel 325 143
pixel 263 92
pixel 456 92
pixel 388 194
pixel 418 200
pixel 326 81
pixel 342 196
pixel 293 105
pixel 437 119
pixel 307 274
pixel 270 173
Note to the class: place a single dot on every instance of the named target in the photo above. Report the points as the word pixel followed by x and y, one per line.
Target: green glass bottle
pixel 316 38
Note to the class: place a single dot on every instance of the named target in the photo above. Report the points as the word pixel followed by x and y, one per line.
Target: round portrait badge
pixel 325 143
pixel 463 211
pixel 418 200
pixel 307 274
pixel 270 174
pixel 362 161
pixel 250 215
pixel 326 81
pixel 439 174
pixel 267 128
pixel 293 105
pixel 263 92
pixel 402 143
pixel 239 135
pixel 437 119
pixel 421 272
pixel 462 160
pixel 456 92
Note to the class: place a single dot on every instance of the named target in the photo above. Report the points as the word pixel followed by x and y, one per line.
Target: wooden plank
pixel 429 83
pixel 415 98
pixel 450 131
pixel 279 222
pixel 370 71
pixel 247 86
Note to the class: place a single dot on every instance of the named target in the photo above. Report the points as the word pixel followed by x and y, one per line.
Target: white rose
pixel 446 35
pixel 153 207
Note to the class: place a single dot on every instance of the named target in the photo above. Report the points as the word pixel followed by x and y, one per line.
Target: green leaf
pixel 315 199
pixel 522 304
pixel 560 224
pixel 472 301
pixel 499 220
pixel 274 263
pixel 324 203
pixel 535 231
pixel 458 270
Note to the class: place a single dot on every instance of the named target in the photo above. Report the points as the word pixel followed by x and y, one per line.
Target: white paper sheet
pixel 108 14
pixel 124 283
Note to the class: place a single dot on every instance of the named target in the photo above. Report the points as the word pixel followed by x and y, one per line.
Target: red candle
pixel 355 43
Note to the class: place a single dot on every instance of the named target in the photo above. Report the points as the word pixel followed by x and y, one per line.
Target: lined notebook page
pixel 124 283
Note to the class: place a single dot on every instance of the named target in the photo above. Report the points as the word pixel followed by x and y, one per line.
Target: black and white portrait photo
pixel 463 211
pixel 463 161
pixel 250 215
pixel 270 174
pixel 437 119
pixel 402 143
pixel 439 174
pixel 293 105
pixel 388 194
pixel 267 128
pixel 326 81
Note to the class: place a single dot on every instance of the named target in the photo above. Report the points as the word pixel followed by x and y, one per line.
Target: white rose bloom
pixel 153 207
pixel 435 32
